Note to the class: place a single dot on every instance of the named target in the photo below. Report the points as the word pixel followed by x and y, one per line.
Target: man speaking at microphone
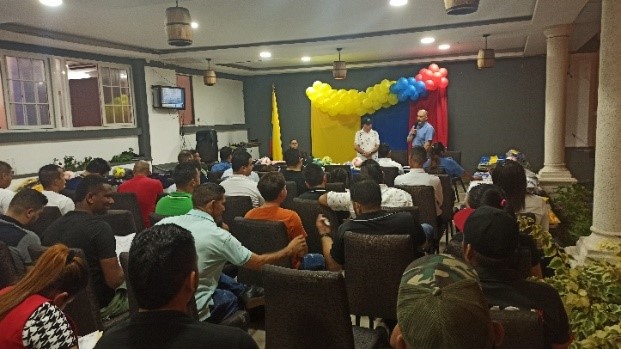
pixel 422 132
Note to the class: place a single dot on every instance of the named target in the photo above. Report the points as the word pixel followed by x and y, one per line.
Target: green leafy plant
pixel 70 163
pixel 573 205
pixel 125 156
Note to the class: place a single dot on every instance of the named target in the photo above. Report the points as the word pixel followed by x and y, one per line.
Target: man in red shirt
pixel 146 189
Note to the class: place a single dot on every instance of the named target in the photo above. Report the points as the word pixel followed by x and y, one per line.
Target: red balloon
pixel 418 77
pixel 430 85
pixel 427 74
pixel 434 67
pixel 437 76
pixel 422 71
pixel 444 72
pixel 443 83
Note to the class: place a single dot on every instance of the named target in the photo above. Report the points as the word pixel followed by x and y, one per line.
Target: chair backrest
pixel 154 218
pixel 121 221
pixel 400 156
pixel 390 173
pixel 68 193
pixel 260 237
pixel 413 210
pixel 308 211
pixel 8 271
pixel 292 193
pixel 373 266
pixel 160 195
pixel 455 154
pixel 129 201
pixel 448 197
pixel 46 218
pixel 336 186
pixel 235 206
pixel 424 198
pixel 523 329
pixel 306 309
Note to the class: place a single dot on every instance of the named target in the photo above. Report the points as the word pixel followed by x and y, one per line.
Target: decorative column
pixel 554 171
pixel 605 239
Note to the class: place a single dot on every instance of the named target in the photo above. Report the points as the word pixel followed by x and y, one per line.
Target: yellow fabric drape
pixel 276 141
pixel 333 136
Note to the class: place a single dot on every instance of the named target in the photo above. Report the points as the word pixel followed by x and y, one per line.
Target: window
pixel 28 93
pixel 117 96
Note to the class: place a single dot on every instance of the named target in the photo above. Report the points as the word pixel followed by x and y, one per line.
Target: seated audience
pixel 23 210
pixel 239 184
pixel 216 246
pixel 384 158
pixel 315 180
pixel 146 189
pixel 339 175
pixel 417 176
pixel 163 293
pixel 186 156
pixel 391 197
pixel 440 164
pixel 6 177
pixel 491 238
pixel 229 172
pixel 31 311
pixel 226 154
pixel 441 305
pixel 97 166
pixel 366 197
pixel 52 178
pixel 272 188
pixel 84 230
pixel 186 177
pixel 294 169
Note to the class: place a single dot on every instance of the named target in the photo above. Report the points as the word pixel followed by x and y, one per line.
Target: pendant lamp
pixel 209 78
pixel 486 57
pixel 461 7
pixel 339 69
pixel 178 26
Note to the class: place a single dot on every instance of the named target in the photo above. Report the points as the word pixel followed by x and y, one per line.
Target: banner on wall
pixel 333 135
pixel 276 143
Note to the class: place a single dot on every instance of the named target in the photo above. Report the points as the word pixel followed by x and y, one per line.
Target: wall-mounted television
pixel 168 97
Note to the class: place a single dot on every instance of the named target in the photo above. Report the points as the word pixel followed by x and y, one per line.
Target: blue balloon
pixel 414 97
pixel 424 94
pixel 394 89
pixel 412 90
pixel 402 81
pixel 420 86
pixel 402 97
pixel 411 81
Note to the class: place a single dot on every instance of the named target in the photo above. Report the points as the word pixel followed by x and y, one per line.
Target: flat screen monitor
pixel 168 97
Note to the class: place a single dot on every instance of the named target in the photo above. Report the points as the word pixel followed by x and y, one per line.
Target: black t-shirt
pixel 172 329
pixel 377 223
pixel 313 194
pixel 298 178
pixel 503 290
pixel 78 229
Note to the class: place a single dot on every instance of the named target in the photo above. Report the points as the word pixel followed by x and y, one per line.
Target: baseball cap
pixel 492 232
pixel 441 305
pixel 367 120
pixel 460 217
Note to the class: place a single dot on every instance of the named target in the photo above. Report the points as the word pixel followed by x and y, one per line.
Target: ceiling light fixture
pixel 51 3
pixel 427 40
pixel 486 57
pixel 306 59
pixel 461 7
pixel 444 47
pixel 339 68
pixel 397 3
pixel 209 78
pixel 194 25
pixel 178 26
pixel 265 54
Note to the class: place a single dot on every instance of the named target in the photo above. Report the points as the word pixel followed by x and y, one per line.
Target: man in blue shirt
pixel 226 153
pixel 422 132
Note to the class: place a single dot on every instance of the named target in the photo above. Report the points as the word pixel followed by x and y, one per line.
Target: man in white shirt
pixel 417 176
pixel 366 140
pixel 384 158
pixel 6 195
pixel 52 179
pixel 239 184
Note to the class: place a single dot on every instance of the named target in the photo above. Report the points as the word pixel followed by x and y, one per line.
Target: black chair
pixel 448 202
pixel 129 201
pixel 390 173
pixel 260 237
pixel 121 221
pixel 235 206
pixel 456 155
pixel 335 186
pixel 329 168
pixel 46 218
pixel 68 193
pixel 308 211
pixel 292 193
pixel 413 210
pixel 423 197
pixel 154 218
pixel 523 329
pixel 309 309
pixel 9 274
pixel 374 266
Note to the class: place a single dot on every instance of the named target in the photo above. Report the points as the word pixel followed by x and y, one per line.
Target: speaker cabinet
pixel 207 145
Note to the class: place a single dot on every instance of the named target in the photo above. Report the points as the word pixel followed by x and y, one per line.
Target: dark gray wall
pixel 490 110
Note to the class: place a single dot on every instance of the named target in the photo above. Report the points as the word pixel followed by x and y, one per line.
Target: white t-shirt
pixel 367 141
pixel 391 197
pixel 417 176
pixel 64 203
pixel 388 162
pixel 240 185
pixel 6 196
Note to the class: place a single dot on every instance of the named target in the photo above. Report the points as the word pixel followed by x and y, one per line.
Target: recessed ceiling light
pixel 51 3
pixel 306 59
pixel 427 40
pixel 398 2
pixel 194 25
pixel 265 54
pixel 444 47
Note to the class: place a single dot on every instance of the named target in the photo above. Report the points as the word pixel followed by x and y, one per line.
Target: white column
pixel 606 230
pixel 554 171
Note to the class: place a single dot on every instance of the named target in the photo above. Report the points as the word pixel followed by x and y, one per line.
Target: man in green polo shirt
pixel 186 177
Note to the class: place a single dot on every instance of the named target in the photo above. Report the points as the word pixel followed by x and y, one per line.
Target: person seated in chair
pixel 315 180
pixel 253 175
pixel 385 160
pixel 366 197
pixel 441 305
pixel 146 189
pixel 218 296
pixel 52 178
pixel 239 184
pixel 293 172
pixel 186 177
pixel 437 163
pixel 6 177
pixel 226 154
pixel 97 167
pixel 163 293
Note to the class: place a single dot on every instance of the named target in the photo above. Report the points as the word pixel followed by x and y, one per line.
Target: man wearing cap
pixel 491 239
pixel 421 132
pixel 441 305
pixel 367 141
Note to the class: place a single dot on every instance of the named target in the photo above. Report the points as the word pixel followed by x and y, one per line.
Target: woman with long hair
pixel 31 313
pixel 437 163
